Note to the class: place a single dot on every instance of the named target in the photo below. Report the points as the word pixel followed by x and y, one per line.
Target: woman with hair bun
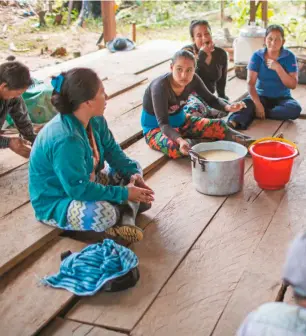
pixel 71 186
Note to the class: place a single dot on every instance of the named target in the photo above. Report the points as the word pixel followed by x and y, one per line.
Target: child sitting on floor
pixel 280 318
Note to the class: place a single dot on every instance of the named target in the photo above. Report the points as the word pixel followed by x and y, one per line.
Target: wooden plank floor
pixel 199 259
pixel 262 276
pixel 168 239
pixel 196 294
pixel 10 161
pixel 21 235
pixel 107 64
pixel 108 311
pixel 24 314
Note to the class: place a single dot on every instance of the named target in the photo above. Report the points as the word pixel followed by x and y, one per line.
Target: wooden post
pixel 264 11
pixel 222 12
pixel 133 31
pixel 109 21
pixel 252 11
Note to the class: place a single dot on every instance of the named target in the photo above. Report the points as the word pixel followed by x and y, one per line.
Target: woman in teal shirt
pixel 70 185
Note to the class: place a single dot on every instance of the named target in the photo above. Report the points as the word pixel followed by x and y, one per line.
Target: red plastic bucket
pixel 272 162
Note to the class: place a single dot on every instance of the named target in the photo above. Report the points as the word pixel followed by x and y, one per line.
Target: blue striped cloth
pixel 84 273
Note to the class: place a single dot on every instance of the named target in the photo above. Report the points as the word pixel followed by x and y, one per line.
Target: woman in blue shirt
pixel 70 185
pixel 272 72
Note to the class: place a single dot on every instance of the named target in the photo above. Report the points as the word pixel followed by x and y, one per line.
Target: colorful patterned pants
pixel 194 128
pixel 196 104
pixel 94 216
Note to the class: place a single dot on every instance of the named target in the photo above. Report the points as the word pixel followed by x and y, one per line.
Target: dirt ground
pixel 21 32
pixel 32 42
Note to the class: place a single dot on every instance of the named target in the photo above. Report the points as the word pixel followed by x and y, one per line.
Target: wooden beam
pixel 252 11
pixel 264 12
pixel 109 21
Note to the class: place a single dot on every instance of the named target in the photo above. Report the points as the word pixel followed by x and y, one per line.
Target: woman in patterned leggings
pixel 166 123
pixel 70 184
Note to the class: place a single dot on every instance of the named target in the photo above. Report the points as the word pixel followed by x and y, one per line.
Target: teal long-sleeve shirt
pixel 61 162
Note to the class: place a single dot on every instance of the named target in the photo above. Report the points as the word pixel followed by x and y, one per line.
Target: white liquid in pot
pixel 219 155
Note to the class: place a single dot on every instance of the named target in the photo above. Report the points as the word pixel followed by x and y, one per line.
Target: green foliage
pixel 293 25
pixel 240 12
pixel 163 12
pixel 300 32
pixel 58 4
pixel 64 12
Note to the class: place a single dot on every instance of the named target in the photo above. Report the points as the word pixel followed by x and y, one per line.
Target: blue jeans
pixel 282 108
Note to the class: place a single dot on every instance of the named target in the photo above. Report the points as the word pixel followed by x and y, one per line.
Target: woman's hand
pixel 290 80
pixel 20 146
pixel 208 47
pixel 273 65
pixel 184 146
pixel 138 181
pixel 136 194
pixel 235 107
pixel 260 111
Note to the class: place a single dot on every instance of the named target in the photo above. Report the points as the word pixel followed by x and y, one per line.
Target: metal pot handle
pixel 194 156
pixel 192 152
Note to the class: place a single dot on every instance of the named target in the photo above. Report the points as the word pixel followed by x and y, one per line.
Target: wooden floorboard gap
pixel 125 144
pixel 18 207
pixel 11 170
pixel 121 331
pixel 61 327
pixel 137 105
pixel 151 66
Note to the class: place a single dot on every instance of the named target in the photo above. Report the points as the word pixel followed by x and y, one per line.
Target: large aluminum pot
pixel 218 178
